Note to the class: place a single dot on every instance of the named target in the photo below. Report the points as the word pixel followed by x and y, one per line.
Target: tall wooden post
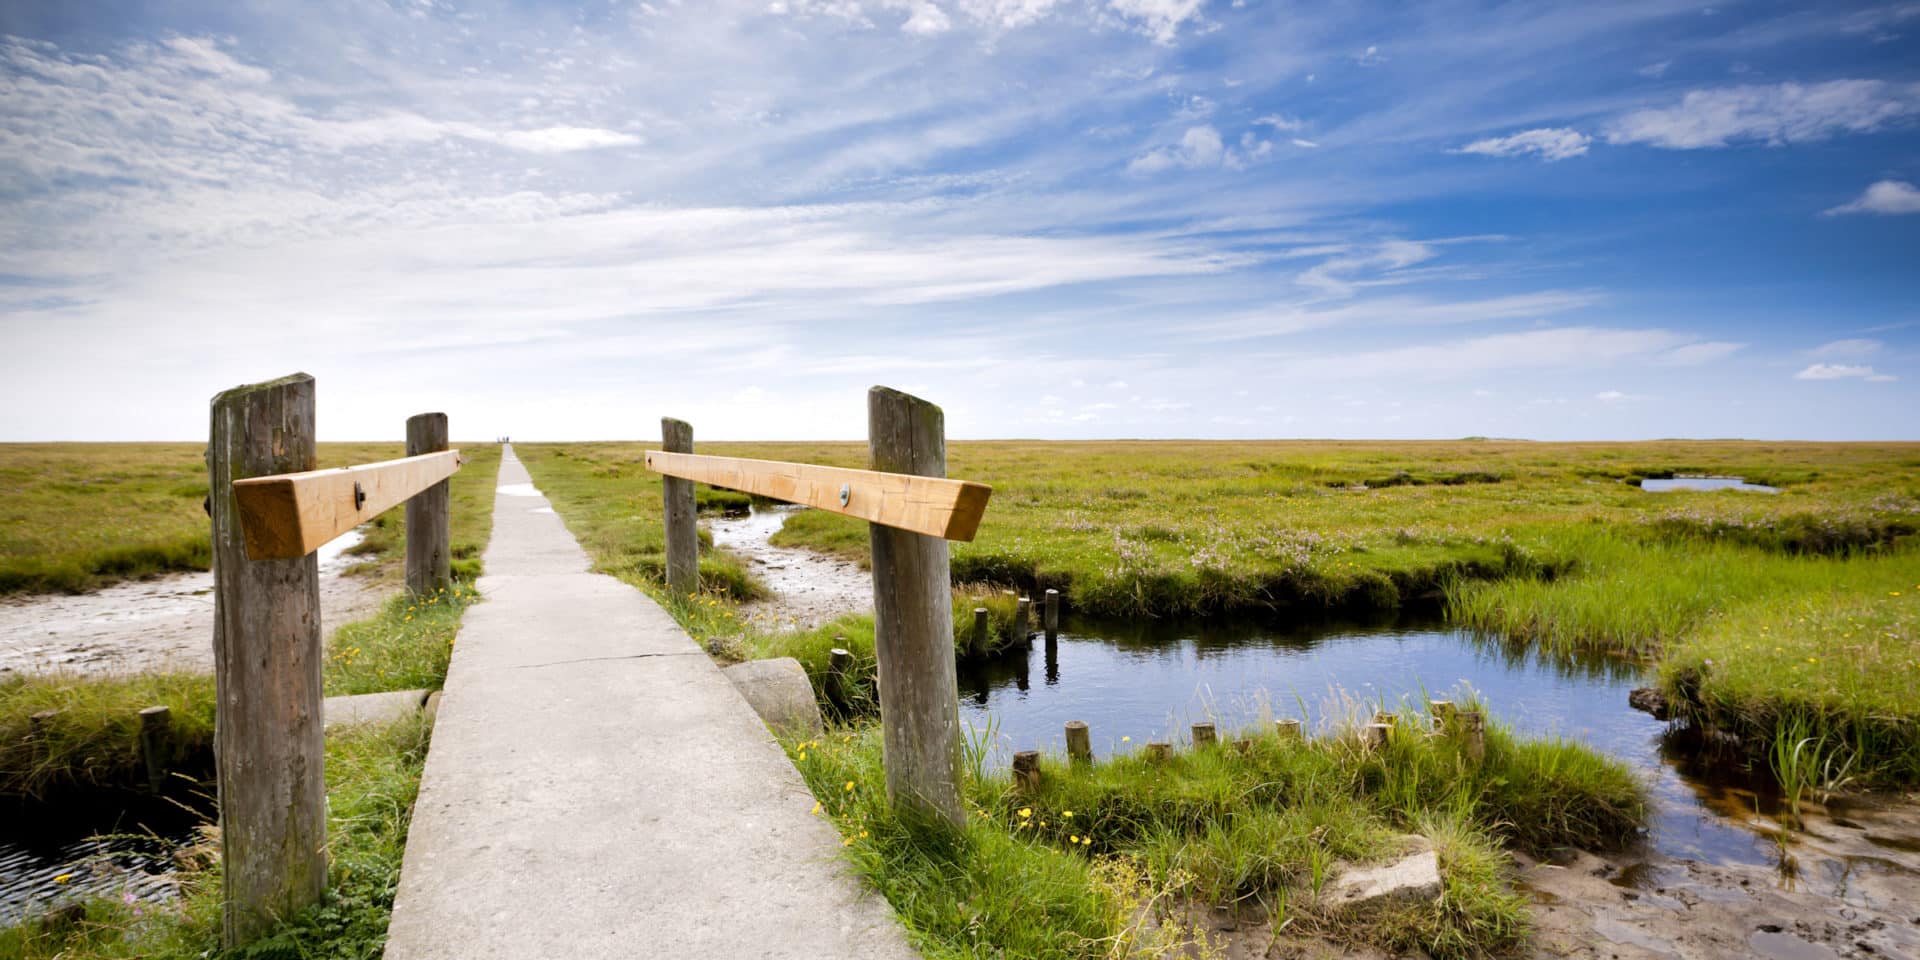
pixel 429 512
pixel 266 669
pixel 683 537
pixel 913 621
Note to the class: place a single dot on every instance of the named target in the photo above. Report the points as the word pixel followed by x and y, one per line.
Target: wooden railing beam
pixel 934 506
pixel 290 515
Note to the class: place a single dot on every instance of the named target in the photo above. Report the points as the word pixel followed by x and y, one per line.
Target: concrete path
pixel 596 788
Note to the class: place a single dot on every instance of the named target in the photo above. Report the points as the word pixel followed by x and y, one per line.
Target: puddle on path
pixel 161 623
pixel 808 589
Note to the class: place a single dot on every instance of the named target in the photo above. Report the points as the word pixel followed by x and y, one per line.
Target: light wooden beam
pixel 290 515
pixel 935 506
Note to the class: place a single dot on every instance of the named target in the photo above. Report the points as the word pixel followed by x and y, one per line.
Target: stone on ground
pixel 1415 876
pixel 778 690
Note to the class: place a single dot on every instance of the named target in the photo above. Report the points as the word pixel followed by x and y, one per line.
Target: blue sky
pixel 1058 218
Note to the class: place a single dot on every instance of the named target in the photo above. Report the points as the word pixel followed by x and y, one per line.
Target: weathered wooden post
pixel 155 726
pixel 1022 617
pixel 838 660
pixel 1204 735
pixel 1289 730
pixel 1050 615
pixel 683 537
pixel 429 512
pixel 1026 771
pixel 1159 751
pixel 913 621
pixel 977 644
pixel 266 669
pixel 1079 742
pixel 1375 735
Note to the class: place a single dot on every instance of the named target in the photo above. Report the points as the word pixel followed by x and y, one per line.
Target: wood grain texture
pixel 913 622
pixel 683 533
pixel 429 512
pixel 935 506
pixel 289 515
pixel 266 667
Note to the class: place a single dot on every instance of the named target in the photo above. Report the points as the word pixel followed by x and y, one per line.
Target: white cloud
pixel 1280 123
pixel 1843 371
pixel 1339 275
pixel 926 18
pixel 1548 143
pixel 1309 144
pixel 1159 19
pixel 1773 115
pixel 1655 70
pixel 1887 197
pixel 1369 57
pixel 1198 147
pixel 1612 396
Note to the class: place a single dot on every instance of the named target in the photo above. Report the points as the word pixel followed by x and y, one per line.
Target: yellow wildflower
pixel 1026 811
pixel 849 786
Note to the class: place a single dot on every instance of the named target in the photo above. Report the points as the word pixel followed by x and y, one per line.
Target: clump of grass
pixel 89 737
pixel 406 646
pixel 1067 871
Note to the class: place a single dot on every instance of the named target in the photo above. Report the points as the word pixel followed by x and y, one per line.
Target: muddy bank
pixel 808 588
pixel 1849 886
pixel 162 623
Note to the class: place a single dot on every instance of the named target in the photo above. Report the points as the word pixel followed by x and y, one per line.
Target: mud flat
pixel 808 588
pixel 162 623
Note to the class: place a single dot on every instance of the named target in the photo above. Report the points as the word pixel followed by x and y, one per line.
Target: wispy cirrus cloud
pixel 1843 371
pixel 1771 115
pixel 1547 143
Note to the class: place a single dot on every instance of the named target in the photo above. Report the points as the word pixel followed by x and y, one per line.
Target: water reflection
pixel 1704 483
pixel 1150 680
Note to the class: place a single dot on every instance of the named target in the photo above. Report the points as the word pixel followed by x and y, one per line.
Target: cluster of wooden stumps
pixel 980 640
pixel 1466 727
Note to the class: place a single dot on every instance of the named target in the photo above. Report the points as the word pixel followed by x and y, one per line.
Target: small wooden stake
pixel 683 536
pixel 429 512
pixel 1381 716
pixel 155 744
pixel 1287 729
pixel 913 621
pixel 1243 746
pixel 1026 771
pixel 977 646
pixel 1021 617
pixel 1473 728
pixel 838 660
pixel 1079 741
pixel 1442 712
pixel 1050 615
pixel 1375 735
pixel 1203 735
pixel 1159 751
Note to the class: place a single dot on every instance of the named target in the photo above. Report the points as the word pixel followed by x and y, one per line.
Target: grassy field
pixel 77 516
pixel 1728 593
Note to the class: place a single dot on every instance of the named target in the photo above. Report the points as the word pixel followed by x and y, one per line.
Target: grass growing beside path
pixel 1120 857
pixel 78 516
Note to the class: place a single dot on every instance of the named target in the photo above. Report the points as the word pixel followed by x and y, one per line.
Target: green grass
pixel 1114 856
pixel 78 516
pixel 1549 544
pixel 373 775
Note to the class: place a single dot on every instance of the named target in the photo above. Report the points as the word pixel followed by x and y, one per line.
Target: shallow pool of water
pixel 1704 483
pixel 1152 682
pixel 48 860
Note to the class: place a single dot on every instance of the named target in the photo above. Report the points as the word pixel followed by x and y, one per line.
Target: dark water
pixel 50 857
pixel 1153 682
pixel 1704 483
